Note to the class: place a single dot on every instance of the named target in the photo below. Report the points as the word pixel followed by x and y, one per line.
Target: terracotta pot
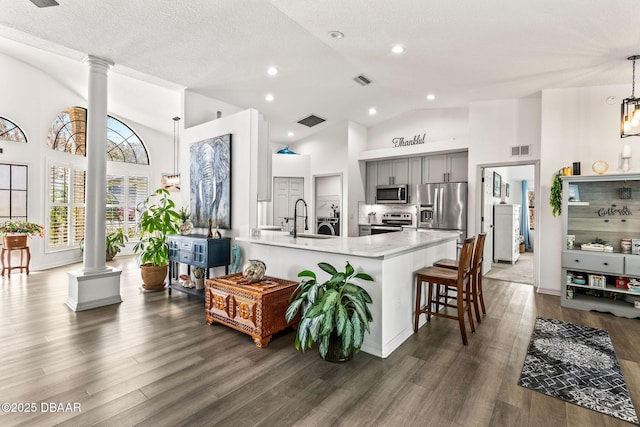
pixel 153 276
pixel 15 241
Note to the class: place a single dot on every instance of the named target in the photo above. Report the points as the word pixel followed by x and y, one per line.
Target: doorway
pixel 328 204
pixel 286 190
pixel 508 208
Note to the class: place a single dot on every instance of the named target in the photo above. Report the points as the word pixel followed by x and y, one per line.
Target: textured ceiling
pixel 461 50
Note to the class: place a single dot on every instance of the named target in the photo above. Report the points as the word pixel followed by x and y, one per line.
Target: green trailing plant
pixel 555 199
pixel 159 219
pixel 338 305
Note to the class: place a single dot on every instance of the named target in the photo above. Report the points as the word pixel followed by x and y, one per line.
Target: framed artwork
pixel 210 171
pixel 506 189
pixel 497 185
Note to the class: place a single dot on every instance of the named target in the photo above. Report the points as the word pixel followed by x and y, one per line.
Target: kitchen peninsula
pixel 391 259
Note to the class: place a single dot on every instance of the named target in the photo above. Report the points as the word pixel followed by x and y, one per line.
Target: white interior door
pixel 487 218
pixel 285 193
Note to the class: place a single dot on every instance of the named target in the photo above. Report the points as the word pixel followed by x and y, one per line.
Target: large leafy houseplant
pixel 158 220
pixel 113 242
pixel 331 312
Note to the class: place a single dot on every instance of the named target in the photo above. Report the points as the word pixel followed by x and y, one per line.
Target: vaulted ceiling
pixel 460 51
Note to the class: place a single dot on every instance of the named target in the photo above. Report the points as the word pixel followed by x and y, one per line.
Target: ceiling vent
pixel 362 80
pixel 44 3
pixel 311 120
pixel 521 150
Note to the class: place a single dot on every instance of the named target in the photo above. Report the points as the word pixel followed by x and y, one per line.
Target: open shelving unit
pixel 604 211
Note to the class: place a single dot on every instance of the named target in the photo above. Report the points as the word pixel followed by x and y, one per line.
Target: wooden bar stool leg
pixel 468 294
pixel 480 294
pixel 463 329
pixel 418 296
pixel 476 296
pixel 430 301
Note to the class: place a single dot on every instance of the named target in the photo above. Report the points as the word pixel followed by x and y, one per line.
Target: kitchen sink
pixel 315 236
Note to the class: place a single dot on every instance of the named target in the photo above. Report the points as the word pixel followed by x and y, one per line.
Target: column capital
pixel 97 61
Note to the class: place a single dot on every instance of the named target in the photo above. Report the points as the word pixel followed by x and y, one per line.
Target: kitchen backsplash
pixel 364 210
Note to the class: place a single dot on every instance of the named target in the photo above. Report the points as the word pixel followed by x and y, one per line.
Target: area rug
pixel 577 364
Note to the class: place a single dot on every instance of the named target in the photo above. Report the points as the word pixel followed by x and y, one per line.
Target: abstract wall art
pixel 210 169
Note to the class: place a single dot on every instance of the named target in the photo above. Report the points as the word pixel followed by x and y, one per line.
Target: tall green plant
pixel 159 219
pixel 337 305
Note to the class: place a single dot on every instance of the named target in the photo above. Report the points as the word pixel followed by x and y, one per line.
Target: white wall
pixel 243 127
pixel 356 177
pixel 577 125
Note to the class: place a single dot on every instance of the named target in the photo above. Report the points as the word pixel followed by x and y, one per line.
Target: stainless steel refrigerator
pixel 443 206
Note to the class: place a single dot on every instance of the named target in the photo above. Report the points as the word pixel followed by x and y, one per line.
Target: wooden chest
pixel 257 309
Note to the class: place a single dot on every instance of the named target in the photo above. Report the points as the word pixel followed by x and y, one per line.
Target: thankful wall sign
pixel 403 142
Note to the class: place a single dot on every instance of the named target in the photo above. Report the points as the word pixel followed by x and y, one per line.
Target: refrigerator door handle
pixel 441 207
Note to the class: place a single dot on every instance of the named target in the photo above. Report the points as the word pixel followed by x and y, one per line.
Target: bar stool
pixel 459 279
pixel 476 272
pixel 6 254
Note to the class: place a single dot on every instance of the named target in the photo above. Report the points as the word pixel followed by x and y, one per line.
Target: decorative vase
pixel 218 234
pixel 334 352
pixel 253 270
pixel 15 241
pixel 186 227
pixel 210 233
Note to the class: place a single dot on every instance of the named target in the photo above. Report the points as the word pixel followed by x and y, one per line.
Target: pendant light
pixel 173 181
pixel 630 109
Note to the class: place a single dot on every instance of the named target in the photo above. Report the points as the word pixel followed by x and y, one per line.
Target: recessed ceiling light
pixel 397 49
pixel 372 111
pixel 290 134
pixel 269 97
pixel 431 97
pixel 336 35
pixel 272 71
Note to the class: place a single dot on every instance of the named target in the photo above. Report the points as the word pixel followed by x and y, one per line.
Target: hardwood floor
pixel 152 360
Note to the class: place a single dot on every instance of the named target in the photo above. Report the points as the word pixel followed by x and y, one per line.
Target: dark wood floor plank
pixel 153 360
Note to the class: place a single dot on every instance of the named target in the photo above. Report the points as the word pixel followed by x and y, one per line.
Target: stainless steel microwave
pixel 397 193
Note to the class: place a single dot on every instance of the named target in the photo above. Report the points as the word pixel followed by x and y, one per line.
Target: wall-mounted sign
pixel 402 142
pixel 612 211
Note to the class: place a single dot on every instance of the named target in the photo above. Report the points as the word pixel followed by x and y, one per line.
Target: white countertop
pixel 377 246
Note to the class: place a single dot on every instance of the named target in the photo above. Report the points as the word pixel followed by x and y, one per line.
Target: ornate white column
pixel 96 180
pixel 96 284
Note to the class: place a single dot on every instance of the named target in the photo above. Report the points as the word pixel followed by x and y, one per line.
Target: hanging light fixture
pixel 630 110
pixel 173 181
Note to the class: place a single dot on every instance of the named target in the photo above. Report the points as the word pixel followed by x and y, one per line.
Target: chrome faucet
pixel 294 232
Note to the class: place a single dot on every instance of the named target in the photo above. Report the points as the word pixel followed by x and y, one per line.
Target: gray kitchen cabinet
pixel 415 177
pixel 451 167
pixel 372 182
pixel 394 171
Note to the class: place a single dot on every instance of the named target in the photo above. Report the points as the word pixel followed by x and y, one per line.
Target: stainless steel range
pixel 391 222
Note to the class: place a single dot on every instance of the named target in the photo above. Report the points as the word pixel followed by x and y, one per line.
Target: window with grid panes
pixel 13 192
pixel 123 195
pixel 66 206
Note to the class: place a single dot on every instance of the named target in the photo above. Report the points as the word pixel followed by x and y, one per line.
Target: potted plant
pixel 159 219
pixel 333 313
pixel 114 241
pixel 15 233
pixel 198 275
pixel 186 225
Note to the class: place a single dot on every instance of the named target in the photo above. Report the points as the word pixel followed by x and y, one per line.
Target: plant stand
pixel 6 255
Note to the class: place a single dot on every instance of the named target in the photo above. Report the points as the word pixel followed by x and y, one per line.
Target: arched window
pixel 68 133
pixel 10 131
